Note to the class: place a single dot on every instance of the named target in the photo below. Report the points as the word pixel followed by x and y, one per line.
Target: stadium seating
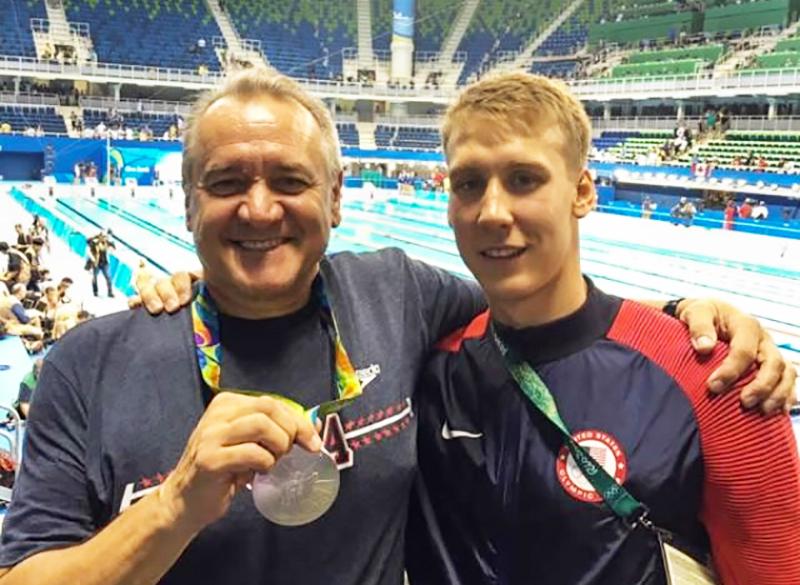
pixel 15 33
pixel 563 69
pixel 381 25
pixel 706 53
pixel 775 147
pixel 779 60
pixel 141 32
pixel 158 123
pixel 503 26
pixel 568 39
pixel 412 137
pixel 611 139
pixel 434 19
pixel 22 117
pixel 348 134
pixel 302 38
pixel 681 67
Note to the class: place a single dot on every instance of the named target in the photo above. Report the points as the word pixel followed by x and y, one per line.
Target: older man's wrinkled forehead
pixel 231 119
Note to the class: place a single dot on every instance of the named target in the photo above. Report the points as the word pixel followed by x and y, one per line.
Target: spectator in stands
pixel 760 211
pixel 746 209
pixel 16 320
pixel 12 308
pixel 728 215
pixel 48 307
pixel 5 128
pixel 711 120
pixel 23 239
pixel 27 388
pixel 101 130
pixel 648 207
pixel 68 318
pixel 724 120
pixel 34 255
pixel 683 212
pixel 39 229
pixel 98 261
pixel 18 268
pixel 64 285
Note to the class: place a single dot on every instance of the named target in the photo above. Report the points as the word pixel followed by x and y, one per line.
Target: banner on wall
pixel 403 20
pixel 146 164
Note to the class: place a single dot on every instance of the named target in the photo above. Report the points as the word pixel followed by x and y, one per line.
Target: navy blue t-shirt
pixel 118 397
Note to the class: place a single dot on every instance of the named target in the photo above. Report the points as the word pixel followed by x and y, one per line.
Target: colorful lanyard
pixel 621 502
pixel 205 322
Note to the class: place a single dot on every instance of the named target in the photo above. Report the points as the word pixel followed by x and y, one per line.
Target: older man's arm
pixel 136 548
pixel 709 320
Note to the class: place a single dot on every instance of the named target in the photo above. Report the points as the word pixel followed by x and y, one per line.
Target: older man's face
pixel 264 202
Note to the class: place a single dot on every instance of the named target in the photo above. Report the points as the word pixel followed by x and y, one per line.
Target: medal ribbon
pixel 616 497
pixel 205 323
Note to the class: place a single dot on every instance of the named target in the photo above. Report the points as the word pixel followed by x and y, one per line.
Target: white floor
pixel 61 261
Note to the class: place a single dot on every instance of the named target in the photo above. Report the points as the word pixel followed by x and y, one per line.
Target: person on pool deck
pixel 135 465
pixel 520 410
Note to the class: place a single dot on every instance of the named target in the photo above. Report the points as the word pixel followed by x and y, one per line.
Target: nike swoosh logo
pixel 448 433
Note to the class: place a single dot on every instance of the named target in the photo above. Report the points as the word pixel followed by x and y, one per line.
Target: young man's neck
pixel 556 300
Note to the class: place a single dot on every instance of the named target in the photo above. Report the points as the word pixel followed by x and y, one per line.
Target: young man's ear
pixel 586 195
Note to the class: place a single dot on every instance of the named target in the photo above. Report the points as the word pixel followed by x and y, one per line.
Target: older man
pixel 135 459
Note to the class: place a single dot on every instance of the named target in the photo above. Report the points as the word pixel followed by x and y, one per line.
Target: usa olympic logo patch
pixel 604 449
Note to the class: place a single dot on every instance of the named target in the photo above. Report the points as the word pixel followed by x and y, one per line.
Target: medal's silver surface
pixel 300 488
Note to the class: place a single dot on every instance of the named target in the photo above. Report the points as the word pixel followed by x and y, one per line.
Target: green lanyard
pixel 621 502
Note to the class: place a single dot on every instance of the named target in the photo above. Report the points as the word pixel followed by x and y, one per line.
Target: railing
pixel 770 82
pixel 253 45
pixel 743 123
pixel 28 99
pixel 45 26
pixel 149 106
pixel 767 82
pixel 426 121
pixel 345 117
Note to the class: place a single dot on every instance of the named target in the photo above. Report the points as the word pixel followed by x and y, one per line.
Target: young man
pixel 501 498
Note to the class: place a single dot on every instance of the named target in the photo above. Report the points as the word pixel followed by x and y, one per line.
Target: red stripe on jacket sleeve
pixel 751 499
pixel 474 330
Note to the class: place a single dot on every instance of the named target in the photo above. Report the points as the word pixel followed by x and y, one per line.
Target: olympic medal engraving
pixel 300 488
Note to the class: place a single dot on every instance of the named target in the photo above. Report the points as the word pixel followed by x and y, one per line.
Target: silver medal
pixel 300 488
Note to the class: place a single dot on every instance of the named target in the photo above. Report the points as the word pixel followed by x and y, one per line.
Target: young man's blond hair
pixel 514 99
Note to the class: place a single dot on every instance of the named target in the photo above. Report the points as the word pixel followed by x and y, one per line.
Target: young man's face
pixel 514 204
